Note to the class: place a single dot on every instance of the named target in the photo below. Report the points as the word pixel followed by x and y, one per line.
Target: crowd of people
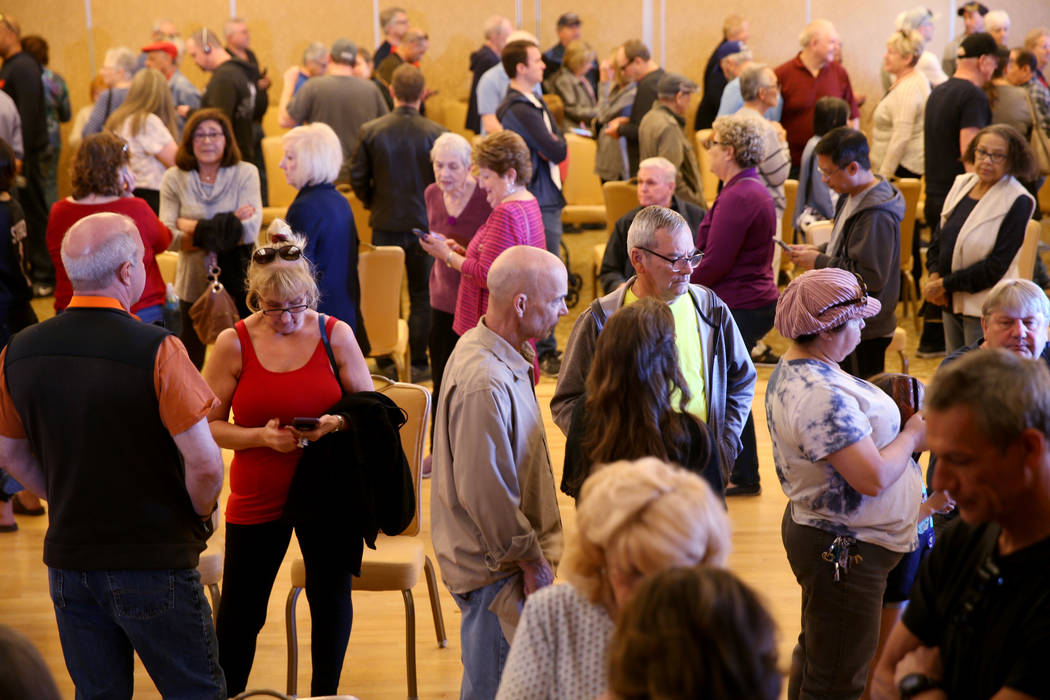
pixel 654 388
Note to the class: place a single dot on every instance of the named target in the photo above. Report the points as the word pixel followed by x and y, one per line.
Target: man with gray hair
pixel 339 99
pixel 497 31
pixel 394 23
pixel 656 181
pixel 760 90
pixel 711 352
pixel 731 97
pixel 312 65
pixel 661 133
pixel 494 509
pixel 1014 317
pixel 976 623
pixel 813 73
pixel 100 413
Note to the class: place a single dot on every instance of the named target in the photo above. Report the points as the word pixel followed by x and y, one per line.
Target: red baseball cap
pixel 165 46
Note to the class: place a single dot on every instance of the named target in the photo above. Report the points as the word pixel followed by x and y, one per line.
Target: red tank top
pixel 259 476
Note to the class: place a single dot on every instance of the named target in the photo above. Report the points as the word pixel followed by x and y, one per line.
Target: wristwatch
pixel 915 683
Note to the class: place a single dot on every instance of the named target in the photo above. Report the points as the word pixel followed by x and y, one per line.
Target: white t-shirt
pixel 814 410
pixel 143 147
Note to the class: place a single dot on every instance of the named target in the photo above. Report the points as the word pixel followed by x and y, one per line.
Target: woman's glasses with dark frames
pixel 265 256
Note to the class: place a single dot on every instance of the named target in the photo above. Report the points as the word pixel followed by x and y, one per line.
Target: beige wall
pixel 280 31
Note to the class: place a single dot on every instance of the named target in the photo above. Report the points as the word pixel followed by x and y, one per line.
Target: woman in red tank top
pixel 271 369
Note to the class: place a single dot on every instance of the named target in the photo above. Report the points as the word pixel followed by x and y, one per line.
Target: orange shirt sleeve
pixel 10 422
pixel 182 393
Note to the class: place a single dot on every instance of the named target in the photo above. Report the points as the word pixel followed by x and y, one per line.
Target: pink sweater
pixel 510 224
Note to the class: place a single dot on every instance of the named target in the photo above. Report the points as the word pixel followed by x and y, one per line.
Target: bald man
pixel 494 511
pixel 100 413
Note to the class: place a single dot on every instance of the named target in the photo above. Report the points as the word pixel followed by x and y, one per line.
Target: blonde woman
pixel 146 121
pixel 633 519
pixel 897 138
pixel 571 84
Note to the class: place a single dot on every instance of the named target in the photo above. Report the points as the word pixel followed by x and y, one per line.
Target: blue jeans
pixel 103 616
pixel 484 647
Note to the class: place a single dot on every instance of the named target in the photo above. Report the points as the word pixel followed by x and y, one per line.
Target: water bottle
pixel 172 312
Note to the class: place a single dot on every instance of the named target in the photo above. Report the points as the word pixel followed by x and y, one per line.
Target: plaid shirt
pixel 1040 95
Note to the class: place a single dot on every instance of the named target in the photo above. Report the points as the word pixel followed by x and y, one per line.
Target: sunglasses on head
pixel 265 256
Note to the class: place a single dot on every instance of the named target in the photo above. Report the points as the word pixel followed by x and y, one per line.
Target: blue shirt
pixel 732 101
pixel 492 88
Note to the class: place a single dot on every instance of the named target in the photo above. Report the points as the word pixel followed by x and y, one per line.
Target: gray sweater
pixel 182 194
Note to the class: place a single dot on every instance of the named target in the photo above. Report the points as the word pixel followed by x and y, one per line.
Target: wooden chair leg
pixel 410 643
pixel 216 598
pixel 292 641
pixel 435 603
pixel 904 362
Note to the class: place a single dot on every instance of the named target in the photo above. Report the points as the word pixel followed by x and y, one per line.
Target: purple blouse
pixel 444 280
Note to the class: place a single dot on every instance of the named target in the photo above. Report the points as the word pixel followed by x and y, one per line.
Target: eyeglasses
pixel 265 256
pixel 856 301
pixel 293 309
pixel 828 173
pixel 208 136
pixel 683 263
pixel 988 155
pixel 710 141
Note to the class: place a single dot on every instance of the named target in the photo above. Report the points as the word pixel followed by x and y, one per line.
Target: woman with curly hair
pixel 736 238
pixel 636 357
pixel 146 121
pixel 103 182
pixel 634 519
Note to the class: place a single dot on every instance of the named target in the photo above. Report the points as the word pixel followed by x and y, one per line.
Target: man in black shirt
pixel 232 88
pixel 636 63
pixel 978 624
pixel 237 39
pixel 20 79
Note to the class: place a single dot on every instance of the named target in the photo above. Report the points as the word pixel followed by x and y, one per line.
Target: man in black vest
pixel 106 418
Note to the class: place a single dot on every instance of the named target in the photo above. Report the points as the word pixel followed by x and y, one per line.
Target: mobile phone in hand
pixel 782 244
pixel 305 424
pixel 420 234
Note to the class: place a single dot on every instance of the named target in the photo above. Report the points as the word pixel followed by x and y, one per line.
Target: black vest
pixel 82 383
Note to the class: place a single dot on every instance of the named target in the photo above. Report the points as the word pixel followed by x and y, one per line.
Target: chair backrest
pixel 357 207
pixel 1029 248
pixel 414 400
pixel 380 270
pixel 1044 196
pixel 167 262
pixel 909 187
pixel 582 186
pixel 620 198
pixel 820 233
pixel 787 222
pixel 556 106
pixel 707 178
pixel 281 193
pixel 456 118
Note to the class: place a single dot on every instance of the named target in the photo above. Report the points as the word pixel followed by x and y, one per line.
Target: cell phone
pixel 782 244
pixel 420 233
pixel 580 131
pixel 305 424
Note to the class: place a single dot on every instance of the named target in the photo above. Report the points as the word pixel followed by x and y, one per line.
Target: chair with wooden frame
pixel 381 270
pixel 584 200
pixel 281 193
pixel 910 188
pixel 398 561
pixel 1029 249
pixel 708 179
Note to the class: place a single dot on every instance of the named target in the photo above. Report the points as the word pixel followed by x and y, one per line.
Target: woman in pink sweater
pixel 504 168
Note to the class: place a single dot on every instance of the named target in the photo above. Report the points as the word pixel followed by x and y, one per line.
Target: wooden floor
pixel 375 664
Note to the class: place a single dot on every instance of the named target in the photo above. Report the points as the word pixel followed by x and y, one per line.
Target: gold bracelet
pixel 448 258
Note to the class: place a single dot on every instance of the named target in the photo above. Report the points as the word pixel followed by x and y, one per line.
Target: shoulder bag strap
pixel 322 321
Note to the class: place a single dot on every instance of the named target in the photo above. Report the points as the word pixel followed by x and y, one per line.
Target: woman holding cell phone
pixel 273 371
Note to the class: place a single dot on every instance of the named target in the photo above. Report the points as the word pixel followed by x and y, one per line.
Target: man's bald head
pixel 518 270
pixel 94 249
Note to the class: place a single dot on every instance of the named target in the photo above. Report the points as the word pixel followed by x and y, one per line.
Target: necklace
pixel 208 179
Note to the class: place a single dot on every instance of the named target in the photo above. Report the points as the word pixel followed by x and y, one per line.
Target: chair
pixel 819 233
pixel 381 270
pixel 897 345
pixel 281 193
pixel 707 178
pixel 787 222
pixel 210 568
pixel 167 262
pixel 397 561
pixel 584 198
pixel 1029 249
pixel 620 197
pixel 364 229
pixel 596 267
pixel 456 118
pixel 1044 197
pixel 910 188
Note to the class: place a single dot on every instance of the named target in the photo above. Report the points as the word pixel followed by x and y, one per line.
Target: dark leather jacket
pixel 391 168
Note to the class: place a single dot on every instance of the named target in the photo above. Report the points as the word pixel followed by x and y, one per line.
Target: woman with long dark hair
pixel 632 392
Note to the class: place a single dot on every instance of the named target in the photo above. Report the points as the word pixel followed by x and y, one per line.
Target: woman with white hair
pixel 311 163
pixel 456 208
pixel 997 23
pixel 634 519
pixel 118 68
pixel 897 138
pixel 920 19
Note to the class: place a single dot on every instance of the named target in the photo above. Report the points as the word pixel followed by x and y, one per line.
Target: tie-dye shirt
pixel 814 410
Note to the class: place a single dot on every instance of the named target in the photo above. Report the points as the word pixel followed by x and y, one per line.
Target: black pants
pixel 234 265
pixel 753 325
pixel 867 359
pixel 253 557
pixel 34 204
pixel 417 266
pixel 442 341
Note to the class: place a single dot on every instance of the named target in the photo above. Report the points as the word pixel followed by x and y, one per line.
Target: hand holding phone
pixel 420 233
pixel 305 424
pixel 782 244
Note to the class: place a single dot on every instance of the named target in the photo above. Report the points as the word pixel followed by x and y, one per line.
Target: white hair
pixel 95 269
pixel 121 58
pixel 454 144
pixel 659 163
pixel 315 51
pixel 494 25
pixel 318 154
pixel 650 221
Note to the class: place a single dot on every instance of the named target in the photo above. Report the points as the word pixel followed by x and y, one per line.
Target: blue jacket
pixel 518 114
